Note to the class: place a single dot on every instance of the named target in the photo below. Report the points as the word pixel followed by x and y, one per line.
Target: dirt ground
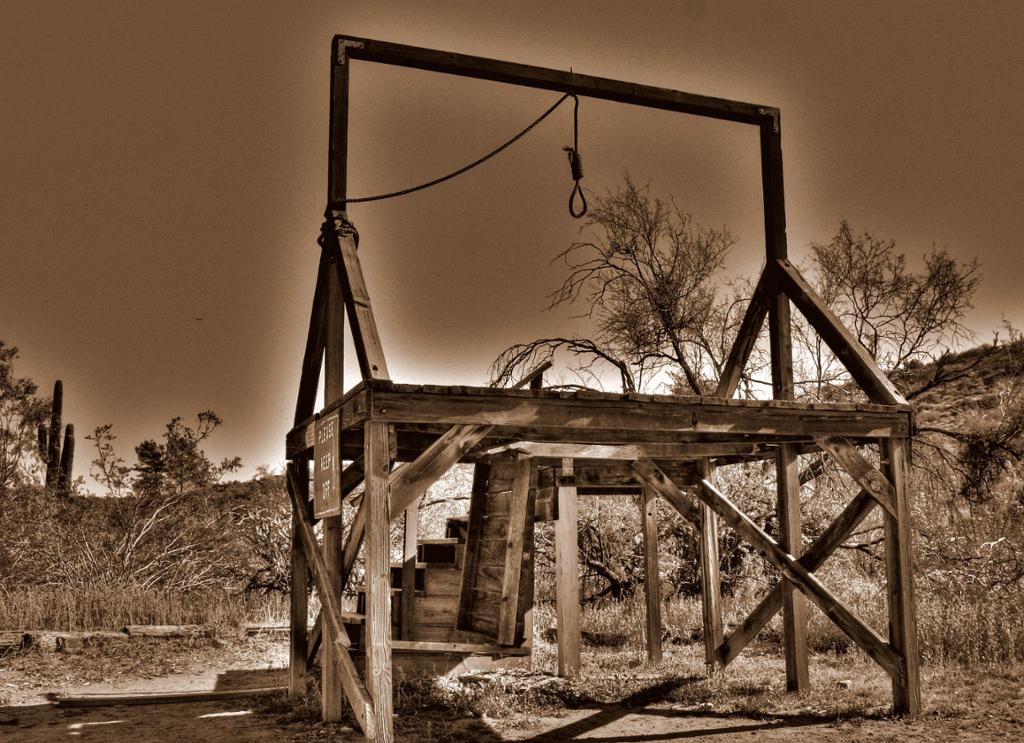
pixel 976 706
pixel 238 722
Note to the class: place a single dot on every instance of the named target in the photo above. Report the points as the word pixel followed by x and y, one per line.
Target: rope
pixel 576 162
pixel 336 224
pixel 463 169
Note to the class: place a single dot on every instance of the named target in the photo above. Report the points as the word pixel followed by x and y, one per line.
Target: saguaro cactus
pixel 59 460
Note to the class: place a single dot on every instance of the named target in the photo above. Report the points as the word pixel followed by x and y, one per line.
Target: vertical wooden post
pixel 652 579
pixel 567 575
pixel 710 579
pixel 334 386
pixel 408 616
pixel 794 606
pixel 377 546
pixel 299 593
pixel 515 536
pixel 906 692
pixel 794 618
pixel 332 691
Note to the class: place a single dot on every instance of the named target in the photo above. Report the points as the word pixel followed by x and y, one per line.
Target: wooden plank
pixel 408 610
pixel 356 533
pixel 730 422
pixel 629 452
pixel 167 630
pixel 173 697
pixel 819 551
pixel 514 524
pixel 773 190
pixel 337 142
pixel 496 526
pixel 524 612
pixel 490 576
pixel 336 664
pixel 331 677
pixel 746 339
pixel 477 508
pixel 624 416
pixel 838 338
pixel 353 688
pixel 675 498
pixel 794 609
pixel 352 476
pixel 414 437
pixel 794 620
pixel 437 610
pixel 710 580
pixel 442 581
pixel 317 563
pixel 652 575
pixel 315 637
pixel 298 646
pixel 351 47
pixel 844 618
pixel 899 572
pixel 534 379
pixel 365 337
pixel 458 647
pixel 430 633
pixel 313 354
pixel 362 391
pixel 567 577
pixel 378 576
pixel 861 470
pixel 413 478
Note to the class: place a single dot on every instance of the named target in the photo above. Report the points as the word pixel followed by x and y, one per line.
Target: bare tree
pixel 645 276
pixel 901 317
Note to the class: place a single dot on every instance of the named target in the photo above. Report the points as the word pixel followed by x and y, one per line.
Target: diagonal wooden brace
pixel 365 337
pixel 410 480
pixel 746 337
pixel 316 340
pixel 839 339
pixel 356 693
pixel 872 644
pixel 860 469
pixel 812 559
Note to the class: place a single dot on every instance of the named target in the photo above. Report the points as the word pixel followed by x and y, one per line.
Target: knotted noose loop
pixel 576 163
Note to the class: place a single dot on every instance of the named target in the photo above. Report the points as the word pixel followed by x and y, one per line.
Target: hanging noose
pixel 576 163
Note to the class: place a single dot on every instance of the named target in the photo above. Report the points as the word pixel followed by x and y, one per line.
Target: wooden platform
pixel 622 426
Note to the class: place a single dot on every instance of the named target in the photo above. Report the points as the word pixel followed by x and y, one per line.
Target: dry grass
pixel 960 629
pixel 101 606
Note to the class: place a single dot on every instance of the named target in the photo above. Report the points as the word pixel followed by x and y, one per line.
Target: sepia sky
pixel 163 168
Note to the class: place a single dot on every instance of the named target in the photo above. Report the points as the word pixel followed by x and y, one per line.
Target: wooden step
pixel 396 576
pixel 457 527
pixel 433 580
pixel 396 600
pixel 440 552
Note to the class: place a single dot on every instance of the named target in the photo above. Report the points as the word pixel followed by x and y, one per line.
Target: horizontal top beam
pixel 582 417
pixel 402 55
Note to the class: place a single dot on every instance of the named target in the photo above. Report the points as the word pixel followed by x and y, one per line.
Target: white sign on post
pixel 327 468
